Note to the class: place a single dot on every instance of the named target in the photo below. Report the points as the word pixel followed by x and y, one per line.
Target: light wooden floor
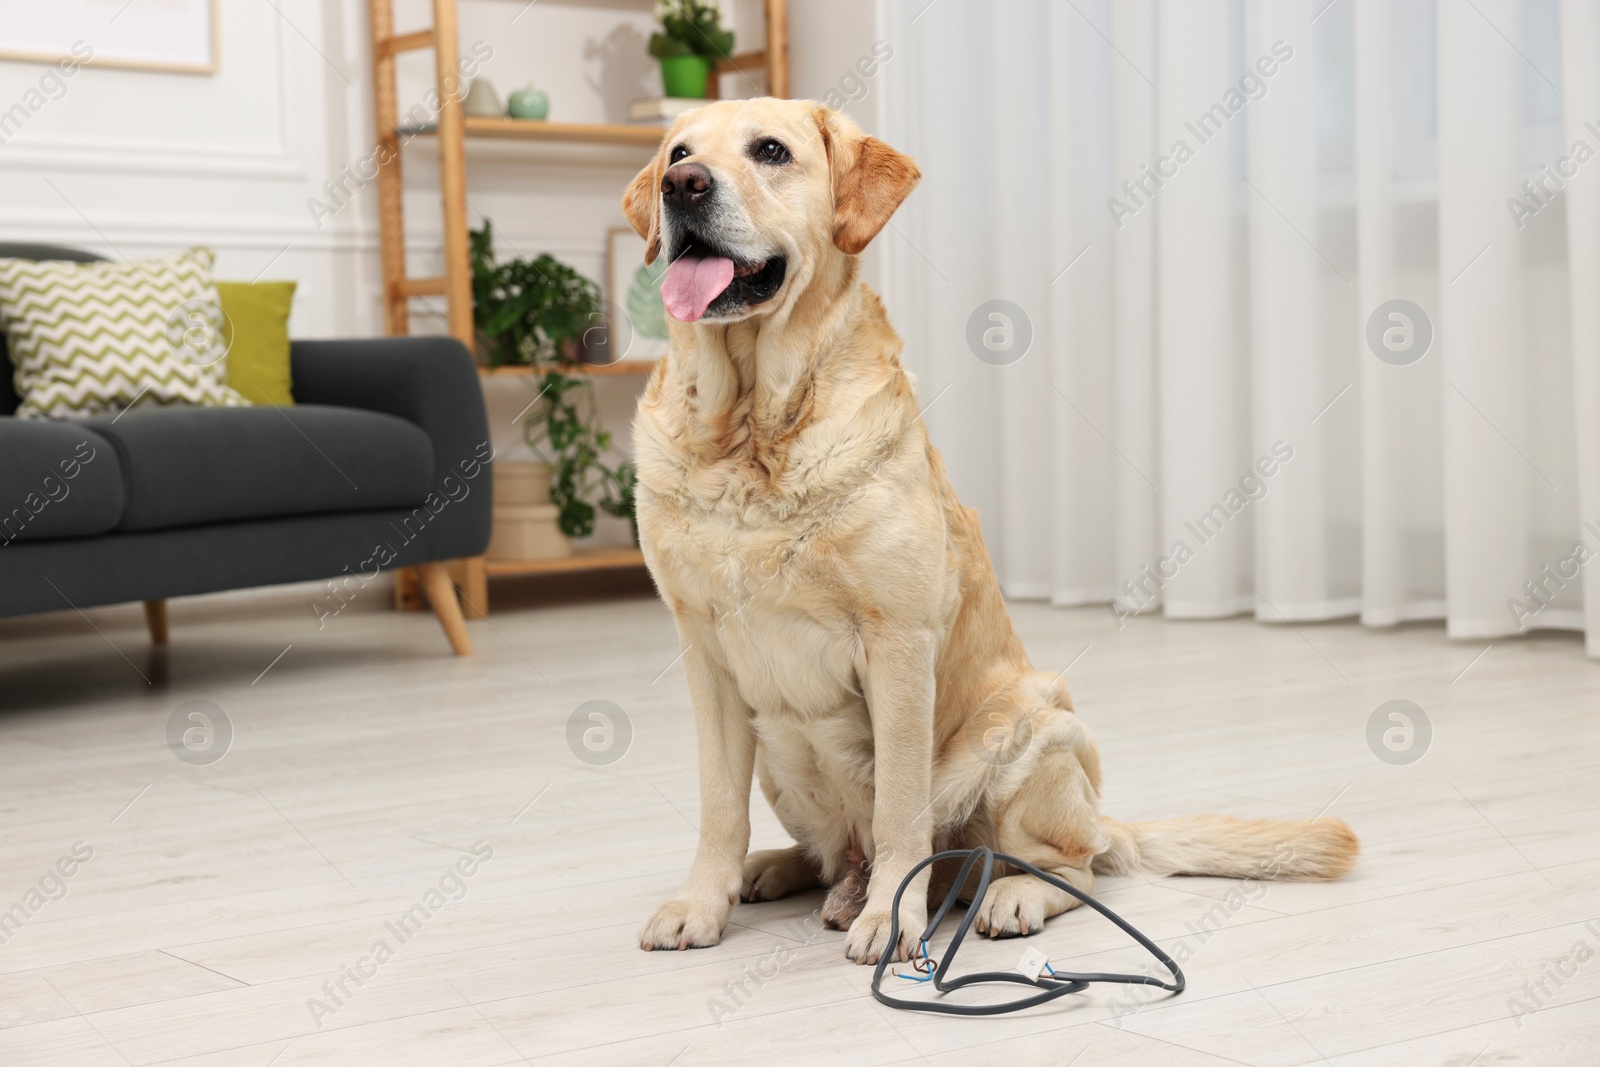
pixel 367 762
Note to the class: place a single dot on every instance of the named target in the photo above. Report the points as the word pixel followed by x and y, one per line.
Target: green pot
pixel 685 76
pixel 528 103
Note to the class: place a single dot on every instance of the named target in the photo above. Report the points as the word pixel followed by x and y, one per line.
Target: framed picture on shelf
pixel 173 35
pixel 636 318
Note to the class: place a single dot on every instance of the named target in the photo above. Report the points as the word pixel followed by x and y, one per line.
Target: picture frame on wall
pixel 177 36
pixel 636 318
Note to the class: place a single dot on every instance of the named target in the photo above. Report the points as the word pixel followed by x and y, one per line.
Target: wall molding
pixel 180 159
pixel 249 231
pixel 172 160
pixel 241 231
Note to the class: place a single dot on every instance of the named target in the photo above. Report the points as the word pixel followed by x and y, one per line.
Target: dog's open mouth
pixel 703 279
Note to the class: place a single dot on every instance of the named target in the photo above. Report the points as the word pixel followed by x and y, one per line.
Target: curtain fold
pixel 1581 122
pixel 1312 294
pixel 1482 343
pixel 1201 357
pixel 1384 599
pixel 1130 247
pixel 1293 569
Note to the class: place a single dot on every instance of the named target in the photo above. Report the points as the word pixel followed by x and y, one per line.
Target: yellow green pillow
pixel 258 333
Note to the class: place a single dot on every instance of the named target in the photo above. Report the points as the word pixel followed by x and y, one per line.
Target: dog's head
pixel 744 192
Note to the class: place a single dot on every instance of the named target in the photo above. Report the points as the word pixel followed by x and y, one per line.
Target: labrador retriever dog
pixel 844 638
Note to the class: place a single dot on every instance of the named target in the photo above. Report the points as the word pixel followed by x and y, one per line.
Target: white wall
pixel 131 163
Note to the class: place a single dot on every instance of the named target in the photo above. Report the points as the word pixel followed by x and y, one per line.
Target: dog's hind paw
pixel 776 872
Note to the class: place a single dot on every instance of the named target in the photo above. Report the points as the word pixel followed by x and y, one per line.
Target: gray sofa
pixel 382 463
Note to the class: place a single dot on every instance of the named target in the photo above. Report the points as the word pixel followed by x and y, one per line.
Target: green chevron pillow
pixel 91 338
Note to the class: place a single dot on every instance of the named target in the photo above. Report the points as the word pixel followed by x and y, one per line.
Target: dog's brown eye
pixel 770 151
pixel 678 152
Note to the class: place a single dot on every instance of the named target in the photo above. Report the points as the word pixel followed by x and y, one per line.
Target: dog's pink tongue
pixel 691 284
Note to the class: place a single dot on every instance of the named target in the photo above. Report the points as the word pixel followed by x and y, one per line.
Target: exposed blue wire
pixel 917 965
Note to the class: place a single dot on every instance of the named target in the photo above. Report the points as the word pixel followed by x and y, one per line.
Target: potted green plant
pixel 689 43
pixel 536 312
pixel 529 312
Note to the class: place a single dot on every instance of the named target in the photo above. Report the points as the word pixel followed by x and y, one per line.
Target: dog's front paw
pixel 868 939
pixel 686 923
pixel 1015 906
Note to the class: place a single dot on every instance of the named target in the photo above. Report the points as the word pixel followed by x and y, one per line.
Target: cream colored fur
pixel 845 641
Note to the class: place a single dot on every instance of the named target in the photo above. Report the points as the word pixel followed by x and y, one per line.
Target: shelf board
pixel 494 127
pixel 605 557
pixel 622 367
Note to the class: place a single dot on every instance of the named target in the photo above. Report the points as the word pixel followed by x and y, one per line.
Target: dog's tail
pixel 1224 847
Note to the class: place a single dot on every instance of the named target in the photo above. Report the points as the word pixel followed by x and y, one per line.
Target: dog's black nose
pixel 685 185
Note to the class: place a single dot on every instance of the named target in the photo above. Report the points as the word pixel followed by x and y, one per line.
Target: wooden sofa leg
pixel 472 585
pixel 155 616
pixel 442 595
pixel 475 589
pixel 407 590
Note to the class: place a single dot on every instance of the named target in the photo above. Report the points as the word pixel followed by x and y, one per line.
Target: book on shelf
pixel 660 108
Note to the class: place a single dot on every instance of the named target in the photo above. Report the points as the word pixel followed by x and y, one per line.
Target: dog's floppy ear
pixel 870 180
pixel 641 203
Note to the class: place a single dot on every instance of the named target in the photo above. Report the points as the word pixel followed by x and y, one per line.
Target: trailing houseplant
pixel 536 312
pixel 689 43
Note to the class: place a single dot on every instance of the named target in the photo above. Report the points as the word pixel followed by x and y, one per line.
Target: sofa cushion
pixel 190 466
pixel 87 338
pixel 257 325
pixel 24 250
pixel 57 479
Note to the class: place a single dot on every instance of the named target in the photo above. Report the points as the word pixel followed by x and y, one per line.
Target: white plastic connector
pixel 1033 963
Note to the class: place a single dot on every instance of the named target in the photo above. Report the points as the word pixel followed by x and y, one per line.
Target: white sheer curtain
pixel 1199 206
